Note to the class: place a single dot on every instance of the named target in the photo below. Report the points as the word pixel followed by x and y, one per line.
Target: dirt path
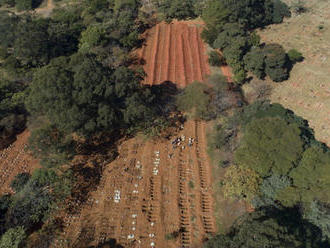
pixel 152 195
pixel 47 10
pixel 14 160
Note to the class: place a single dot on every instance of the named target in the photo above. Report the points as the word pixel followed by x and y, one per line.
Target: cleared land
pixel 15 159
pixel 152 195
pixel 174 52
pixel 307 92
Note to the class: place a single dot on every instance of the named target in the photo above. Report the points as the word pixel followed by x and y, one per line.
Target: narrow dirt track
pixel 178 47
pixel 15 159
pixel 165 197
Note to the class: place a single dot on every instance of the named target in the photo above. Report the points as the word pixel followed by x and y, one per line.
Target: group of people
pixel 179 142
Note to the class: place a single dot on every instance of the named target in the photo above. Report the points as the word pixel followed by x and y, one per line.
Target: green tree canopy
pixel 270 228
pixel 81 95
pixel 13 238
pixel 270 145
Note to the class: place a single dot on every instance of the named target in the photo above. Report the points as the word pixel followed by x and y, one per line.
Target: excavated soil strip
pixel 15 159
pixel 189 62
pixel 176 53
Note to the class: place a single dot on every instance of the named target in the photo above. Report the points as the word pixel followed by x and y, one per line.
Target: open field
pixel 307 92
pixel 174 52
pixel 15 159
pixel 152 195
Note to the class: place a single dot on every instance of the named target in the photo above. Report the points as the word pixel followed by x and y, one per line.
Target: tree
pixel 31 46
pixel 276 62
pixel 255 62
pixel 312 176
pixel 215 14
pixel 269 227
pixel 32 204
pixel 176 9
pixel 8 25
pixel 240 182
pixel 269 190
pixel 81 95
pixel 215 59
pixel 91 37
pixel 270 145
pixel 13 238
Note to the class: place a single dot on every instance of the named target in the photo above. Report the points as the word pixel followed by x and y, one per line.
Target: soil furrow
pixel 181 71
pixel 154 52
pixel 196 45
pixel 205 68
pixel 188 60
pixel 166 70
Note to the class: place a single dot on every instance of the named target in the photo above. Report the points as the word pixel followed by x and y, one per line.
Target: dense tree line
pixel 229 27
pixel 270 227
pixel 277 162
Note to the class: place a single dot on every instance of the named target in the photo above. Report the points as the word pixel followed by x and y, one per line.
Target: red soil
pixel 15 159
pixel 176 53
pixel 163 191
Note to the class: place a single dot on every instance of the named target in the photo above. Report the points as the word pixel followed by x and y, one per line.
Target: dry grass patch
pixel 307 92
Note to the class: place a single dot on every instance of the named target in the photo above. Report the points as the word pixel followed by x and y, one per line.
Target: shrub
pixel 19 181
pixel 295 56
pixel 215 59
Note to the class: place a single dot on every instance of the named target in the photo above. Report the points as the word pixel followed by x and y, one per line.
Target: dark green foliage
pixel 8 24
pixel 19 181
pixel 278 10
pixel 209 34
pixel 295 56
pixel 234 41
pixel 255 62
pixel 12 118
pixel 5 201
pixel 276 62
pixel 271 60
pixel 83 96
pixel 270 228
pixel 42 39
pixel 251 14
pixel 34 201
pixel 215 59
pixel 31 46
pixel 176 9
pixel 215 14
pixel 229 26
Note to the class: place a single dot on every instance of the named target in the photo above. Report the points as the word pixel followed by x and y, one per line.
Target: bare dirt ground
pixel 307 92
pixel 174 52
pixel 14 160
pixel 152 195
pixel 46 10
